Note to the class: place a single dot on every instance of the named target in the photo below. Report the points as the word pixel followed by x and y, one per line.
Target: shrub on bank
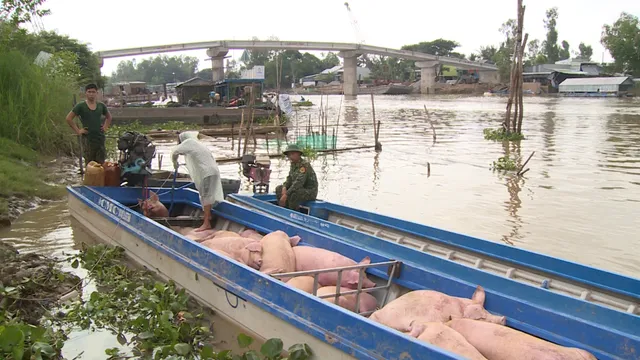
pixel 35 102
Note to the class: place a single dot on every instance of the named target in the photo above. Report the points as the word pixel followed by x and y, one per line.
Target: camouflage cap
pixel 292 148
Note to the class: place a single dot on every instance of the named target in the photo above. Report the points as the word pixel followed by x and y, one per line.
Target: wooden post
pixel 375 133
pixel 378 146
pixel 240 131
pixel 232 136
pixel 266 136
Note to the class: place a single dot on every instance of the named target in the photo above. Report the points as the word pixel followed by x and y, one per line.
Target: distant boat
pixel 390 89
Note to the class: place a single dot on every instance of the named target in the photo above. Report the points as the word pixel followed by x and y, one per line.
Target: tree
pixel 15 38
pixel 564 52
pixel 21 11
pixel 550 45
pixel 488 52
pixel 585 51
pixel 158 70
pixel 622 39
pixel 440 47
pixel 535 55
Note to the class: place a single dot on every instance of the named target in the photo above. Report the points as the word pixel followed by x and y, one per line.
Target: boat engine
pixel 136 154
pixel 256 169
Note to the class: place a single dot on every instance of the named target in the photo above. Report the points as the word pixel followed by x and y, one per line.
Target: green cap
pixel 292 148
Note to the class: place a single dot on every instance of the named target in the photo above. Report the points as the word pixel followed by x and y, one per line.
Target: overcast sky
pixel 117 24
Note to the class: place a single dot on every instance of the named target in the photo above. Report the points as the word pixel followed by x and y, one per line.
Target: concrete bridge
pixel 218 49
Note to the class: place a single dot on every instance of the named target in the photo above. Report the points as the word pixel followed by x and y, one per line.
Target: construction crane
pixel 354 23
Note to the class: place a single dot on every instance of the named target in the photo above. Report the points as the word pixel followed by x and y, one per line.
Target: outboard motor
pixel 256 169
pixel 136 154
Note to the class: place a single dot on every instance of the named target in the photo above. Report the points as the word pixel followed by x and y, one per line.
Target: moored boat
pixel 270 307
pixel 604 288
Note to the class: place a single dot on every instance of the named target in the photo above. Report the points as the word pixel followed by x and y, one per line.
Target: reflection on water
pixel 580 200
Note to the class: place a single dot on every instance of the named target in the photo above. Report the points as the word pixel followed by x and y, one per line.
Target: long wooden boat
pixel 267 307
pixel 608 294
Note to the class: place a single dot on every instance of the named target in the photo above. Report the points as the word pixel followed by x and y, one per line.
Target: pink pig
pixel 441 335
pixel 200 236
pixel 277 255
pixel 497 342
pixel 407 312
pixel 246 251
pixel 310 258
pixel 252 234
pixel 152 207
pixel 367 301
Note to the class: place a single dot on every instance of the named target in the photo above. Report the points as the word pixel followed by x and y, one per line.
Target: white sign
pixel 257 72
pixel 285 104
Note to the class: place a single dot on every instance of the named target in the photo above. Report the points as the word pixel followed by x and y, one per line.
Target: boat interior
pixel 397 276
pixel 598 287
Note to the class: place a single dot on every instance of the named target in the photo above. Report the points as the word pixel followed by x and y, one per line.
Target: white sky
pixel 117 24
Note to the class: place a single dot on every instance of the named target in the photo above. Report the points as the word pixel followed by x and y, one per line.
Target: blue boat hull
pixel 563 320
pixel 599 316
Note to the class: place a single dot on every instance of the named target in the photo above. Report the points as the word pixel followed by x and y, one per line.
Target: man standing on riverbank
pixel 301 184
pixel 93 130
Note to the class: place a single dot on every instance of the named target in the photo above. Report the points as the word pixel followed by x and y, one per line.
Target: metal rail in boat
pixel 393 269
pixel 265 302
pixel 508 262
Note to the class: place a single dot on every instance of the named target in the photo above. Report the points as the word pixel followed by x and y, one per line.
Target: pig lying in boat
pixel 496 342
pixel 152 207
pixel 310 258
pixel 407 312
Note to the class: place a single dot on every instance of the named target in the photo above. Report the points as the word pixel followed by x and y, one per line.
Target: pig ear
pixel 294 240
pixel 153 196
pixel 254 246
pixel 366 260
pixel 478 296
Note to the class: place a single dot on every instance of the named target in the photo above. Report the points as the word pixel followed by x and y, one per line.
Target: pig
pixel 367 301
pixel 277 254
pixel 152 207
pixel 246 251
pixel 440 335
pixel 421 306
pixel 304 283
pixel 497 342
pixel 252 234
pixel 225 233
pixel 200 236
pixel 310 258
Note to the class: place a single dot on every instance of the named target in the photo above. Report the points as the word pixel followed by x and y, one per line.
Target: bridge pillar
pixel 350 74
pixel 101 62
pixel 217 62
pixel 427 76
pixel 488 76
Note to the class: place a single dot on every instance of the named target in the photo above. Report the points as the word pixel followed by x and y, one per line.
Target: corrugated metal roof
pixel 596 81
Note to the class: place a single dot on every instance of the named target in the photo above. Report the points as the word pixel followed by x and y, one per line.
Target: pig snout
pixel 256 260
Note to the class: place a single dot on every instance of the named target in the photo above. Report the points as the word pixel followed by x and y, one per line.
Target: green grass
pixel 504 163
pixel 35 103
pixel 303 103
pixel 501 135
pixel 20 175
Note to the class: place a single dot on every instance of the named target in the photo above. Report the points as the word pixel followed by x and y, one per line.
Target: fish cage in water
pixel 317 141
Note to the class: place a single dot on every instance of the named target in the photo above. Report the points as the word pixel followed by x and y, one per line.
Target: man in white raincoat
pixel 203 170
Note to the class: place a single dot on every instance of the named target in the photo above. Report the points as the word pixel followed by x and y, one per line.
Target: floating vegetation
pixel 501 135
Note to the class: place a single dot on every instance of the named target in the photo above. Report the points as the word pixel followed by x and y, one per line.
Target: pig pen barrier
pixel 393 271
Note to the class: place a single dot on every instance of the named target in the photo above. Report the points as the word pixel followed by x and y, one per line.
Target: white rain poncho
pixel 202 167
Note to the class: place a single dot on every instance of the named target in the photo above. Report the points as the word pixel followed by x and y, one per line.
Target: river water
pixel 580 200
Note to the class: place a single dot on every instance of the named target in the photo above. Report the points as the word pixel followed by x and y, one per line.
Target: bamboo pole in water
pixel 240 132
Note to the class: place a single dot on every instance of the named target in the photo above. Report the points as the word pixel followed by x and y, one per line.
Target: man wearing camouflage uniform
pixel 301 184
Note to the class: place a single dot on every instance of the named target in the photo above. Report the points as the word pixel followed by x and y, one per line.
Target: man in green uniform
pixel 301 184
pixel 90 112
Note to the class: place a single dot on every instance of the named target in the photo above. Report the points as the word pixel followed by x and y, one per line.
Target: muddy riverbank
pixel 58 172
